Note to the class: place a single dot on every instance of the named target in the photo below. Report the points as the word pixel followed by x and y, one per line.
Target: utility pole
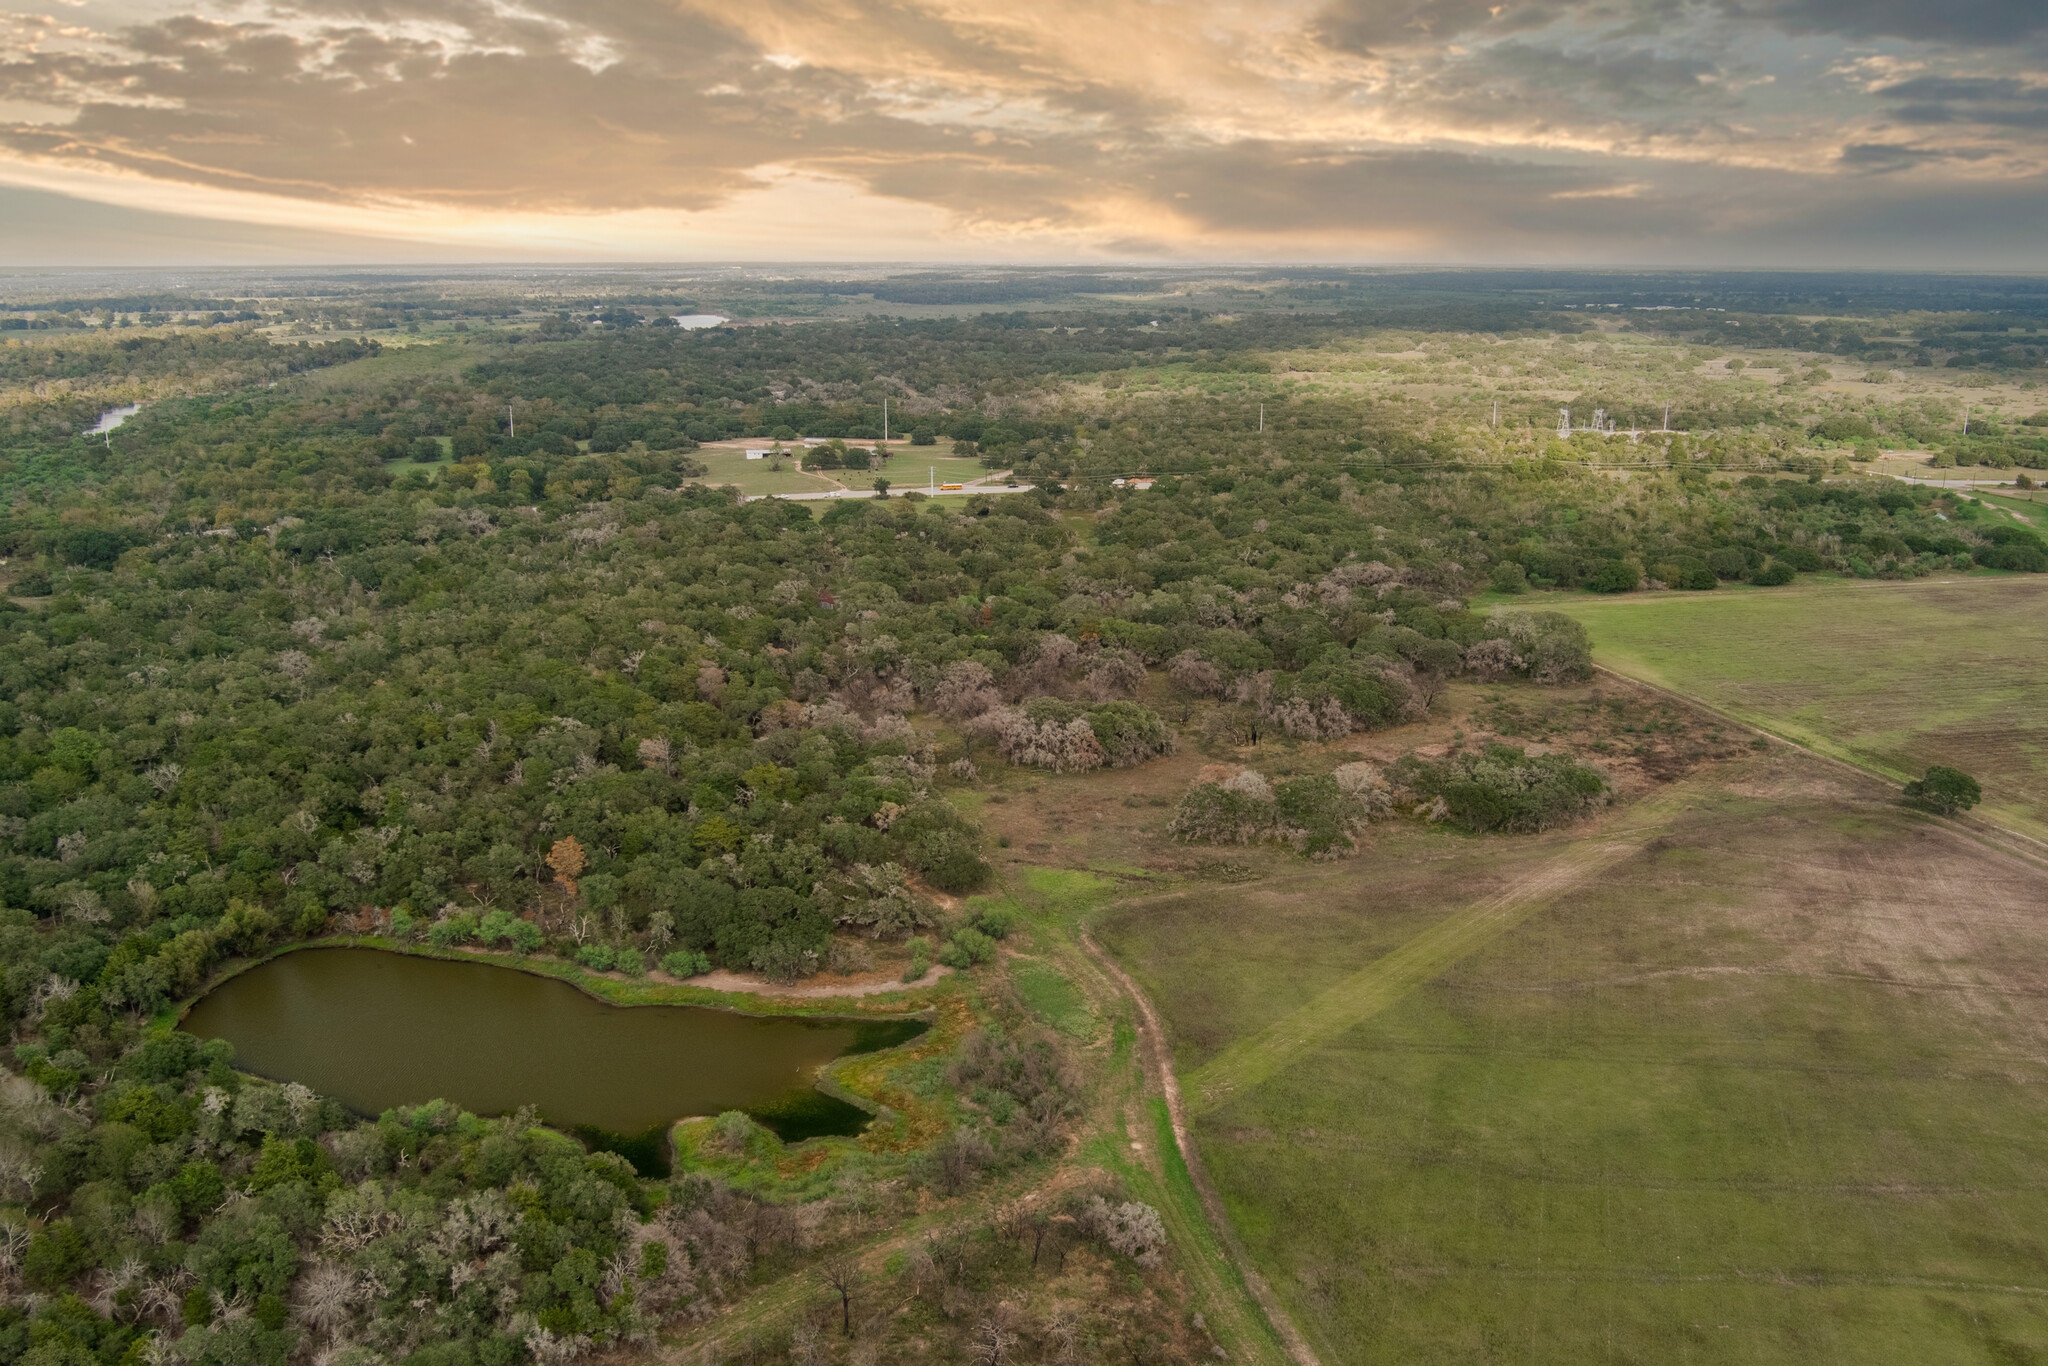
pixel 1667 414
pixel 1966 419
pixel 1262 417
pixel 885 417
pixel 1496 412
pixel 931 474
pixel 511 427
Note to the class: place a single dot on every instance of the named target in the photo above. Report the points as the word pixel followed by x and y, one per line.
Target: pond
pixel 112 418
pixel 375 1029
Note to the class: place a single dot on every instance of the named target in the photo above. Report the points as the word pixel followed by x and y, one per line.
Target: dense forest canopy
pixel 378 636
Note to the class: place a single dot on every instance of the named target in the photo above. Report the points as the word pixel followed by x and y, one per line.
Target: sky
pixel 1738 133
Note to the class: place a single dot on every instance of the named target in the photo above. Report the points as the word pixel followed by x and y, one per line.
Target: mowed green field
pixel 1752 1072
pixel 913 469
pixel 908 469
pixel 729 465
pixel 1890 676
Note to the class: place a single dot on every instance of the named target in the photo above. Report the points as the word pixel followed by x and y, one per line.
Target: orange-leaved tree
pixel 567 859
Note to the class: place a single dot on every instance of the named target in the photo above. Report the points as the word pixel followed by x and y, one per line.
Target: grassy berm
pixel 1752 1070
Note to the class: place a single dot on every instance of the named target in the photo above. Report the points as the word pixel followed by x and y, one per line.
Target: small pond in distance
pixel 112 418
pixel 376 1029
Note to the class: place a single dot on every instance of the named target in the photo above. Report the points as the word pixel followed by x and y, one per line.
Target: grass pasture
pixel 906 470
pixel 910 470
pixel 1050 996
pixel 1763 1081
pixel 2025 504
pixel 1891 676
pixel 729 465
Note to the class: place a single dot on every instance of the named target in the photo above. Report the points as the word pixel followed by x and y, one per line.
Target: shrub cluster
pixel 1017 1093
pixel 686 963
pixel 1321 816
pixel 975 943
pixel 1069 737
pixel 1504 788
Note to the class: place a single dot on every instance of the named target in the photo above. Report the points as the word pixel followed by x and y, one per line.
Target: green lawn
pixel 1767 1088
pixel 729 465
pixel 430 468
pixel 907 471
pixel 402 358
pixel 1891 676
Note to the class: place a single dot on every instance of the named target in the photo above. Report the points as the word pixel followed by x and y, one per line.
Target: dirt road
pixel 1152 1038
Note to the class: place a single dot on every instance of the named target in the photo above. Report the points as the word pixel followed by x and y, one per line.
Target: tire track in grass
pixel 1152 1170
pixel 1367 992
pixel 1192 1204
pixel 1131 1130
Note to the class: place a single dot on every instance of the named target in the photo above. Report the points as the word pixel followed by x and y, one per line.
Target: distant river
pixel 376 1029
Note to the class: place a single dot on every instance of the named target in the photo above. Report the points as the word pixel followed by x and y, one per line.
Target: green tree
pixel 1615 576
pixel 56 1256
pixel 245 1256
pixel 1945 791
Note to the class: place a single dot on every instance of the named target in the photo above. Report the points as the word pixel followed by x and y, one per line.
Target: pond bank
pixel 377 1029
pixel 740 994
pixel 819 988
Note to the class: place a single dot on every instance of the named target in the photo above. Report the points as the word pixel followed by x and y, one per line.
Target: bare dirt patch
pixel 817 988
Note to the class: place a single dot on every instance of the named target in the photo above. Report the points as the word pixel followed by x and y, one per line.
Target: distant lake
pixel 375 1030
pixel 689 321
pixel 112 418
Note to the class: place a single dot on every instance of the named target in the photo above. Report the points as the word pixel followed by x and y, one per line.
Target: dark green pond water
pixel 375 1030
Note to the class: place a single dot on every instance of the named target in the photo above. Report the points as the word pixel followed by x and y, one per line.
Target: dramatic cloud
pixel 1446 129
pixel 2005 103
pixel 1964 22
pixel 1366 26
